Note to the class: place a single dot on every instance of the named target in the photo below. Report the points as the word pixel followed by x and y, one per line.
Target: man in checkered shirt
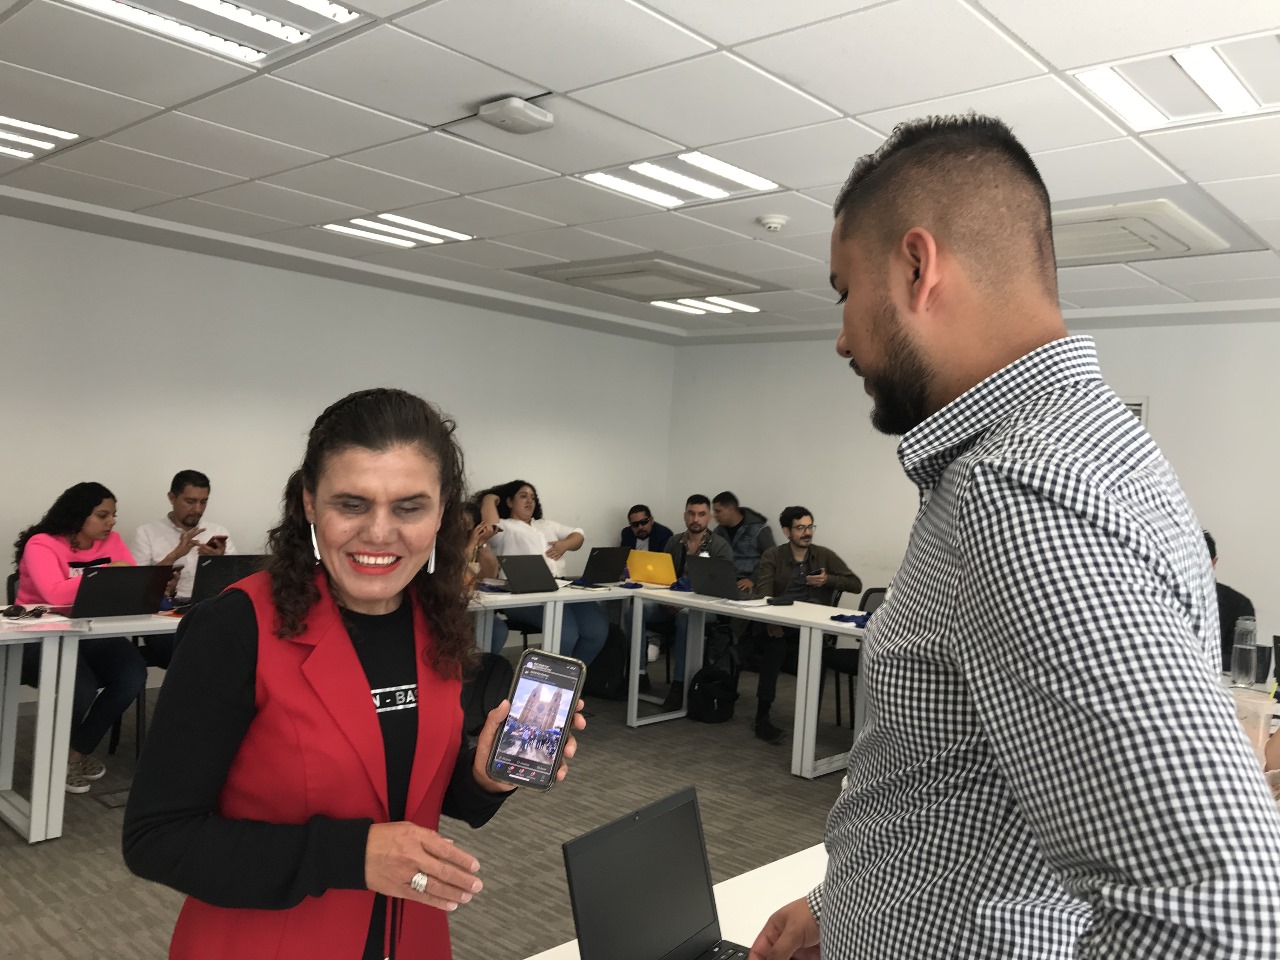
pixel 1050 766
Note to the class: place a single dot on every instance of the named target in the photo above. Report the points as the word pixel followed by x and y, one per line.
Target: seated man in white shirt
pixel 179 538
pixel 522 529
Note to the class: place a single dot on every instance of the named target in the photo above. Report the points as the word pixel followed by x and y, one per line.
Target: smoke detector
pixel 773 222
pixel 516 116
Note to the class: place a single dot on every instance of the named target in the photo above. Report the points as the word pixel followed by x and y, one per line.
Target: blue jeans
pixel 656 613
pixel 110 664
pixel 582 633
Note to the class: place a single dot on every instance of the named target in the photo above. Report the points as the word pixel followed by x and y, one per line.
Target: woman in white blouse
pixel 522 529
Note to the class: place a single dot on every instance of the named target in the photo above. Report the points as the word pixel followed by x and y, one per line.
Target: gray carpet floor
pixel 73 898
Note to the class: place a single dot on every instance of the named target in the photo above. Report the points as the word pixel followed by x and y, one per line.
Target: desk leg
pixel 10 674
pixel 693 652
pixel 50 735
pixel 484 618
pixel 552 623
pixel 808 674
pixel 70 644
pixel 639 648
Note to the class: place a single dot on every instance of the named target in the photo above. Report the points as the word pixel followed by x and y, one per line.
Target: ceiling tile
pixel 357 185
pixel 8 164
pixel 387 8
pixel 809 277
pixel 561 44
pixel 449 163
pixel 1218 267
pixel 816 245
pixel 1269 230
pixel 806 214
pixel 827 194
pixel 210 145
pixel 1254 198
pixel 806 157
pixel 210 216
pixel 54 102
pixel 488 253
pixel 789 302
pixel 404 75
pixel 1127 297
pixel 289 205
pixel 1097 169
pixel 325 241
pixel 582 139
pixel 114 162
pixel 1044 112
pixel 476 218
pixel 745 256
pixel 1260 288
pixel 1227 150
pixel 1102 276
pixel 78 186
pixel 91 50
pixel 907 51
pixel 288 113
pixel 748 19
pixel 665 231
pixel 568 201
pixel 1091 31
pixel 571 243
pixel 708 100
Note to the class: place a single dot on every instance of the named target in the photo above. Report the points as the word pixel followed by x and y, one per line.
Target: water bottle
pixel 1244 652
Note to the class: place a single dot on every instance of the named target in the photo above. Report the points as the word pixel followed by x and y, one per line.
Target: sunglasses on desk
pixel 16 612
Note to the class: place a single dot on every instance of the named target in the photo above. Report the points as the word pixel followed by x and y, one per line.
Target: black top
pixel 1232 605
pixel 172 834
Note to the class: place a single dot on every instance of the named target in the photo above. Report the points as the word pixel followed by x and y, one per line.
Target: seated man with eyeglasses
pixel 799 570
pixel 642 532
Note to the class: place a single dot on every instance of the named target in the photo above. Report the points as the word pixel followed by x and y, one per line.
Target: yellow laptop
pixel 651 566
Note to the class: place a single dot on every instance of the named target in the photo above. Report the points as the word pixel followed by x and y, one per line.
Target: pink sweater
pixel 46 574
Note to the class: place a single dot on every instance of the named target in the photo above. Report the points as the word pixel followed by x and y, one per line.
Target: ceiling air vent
pixel 1130 231
pixel 649 278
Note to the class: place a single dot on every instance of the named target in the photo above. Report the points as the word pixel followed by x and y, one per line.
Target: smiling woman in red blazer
pixel 308 736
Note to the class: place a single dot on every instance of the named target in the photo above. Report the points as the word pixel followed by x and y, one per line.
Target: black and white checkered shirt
pixel 1050 766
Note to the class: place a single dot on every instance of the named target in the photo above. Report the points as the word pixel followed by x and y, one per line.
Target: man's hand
pixel 818 579
pixel 790 934
pixel 216 547
pixel 745 584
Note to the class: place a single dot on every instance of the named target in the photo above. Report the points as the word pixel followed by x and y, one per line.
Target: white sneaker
pixel 91 768
pixel 76 783
pixel 654 651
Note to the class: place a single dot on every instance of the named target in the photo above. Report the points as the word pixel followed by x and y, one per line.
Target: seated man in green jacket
pixel 801 570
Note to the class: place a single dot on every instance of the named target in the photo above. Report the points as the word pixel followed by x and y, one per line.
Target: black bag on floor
pixel 714 689
pixel 483 689
pixel 607 673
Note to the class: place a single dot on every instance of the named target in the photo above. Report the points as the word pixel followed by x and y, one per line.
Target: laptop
pixel 604 565
pixel 528 573
pixel 641 887
pixel 713 578
pixel 120 591
pixel 651 566
pixel 215 574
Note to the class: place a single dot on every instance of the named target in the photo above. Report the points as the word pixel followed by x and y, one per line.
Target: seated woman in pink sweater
pixel 77 532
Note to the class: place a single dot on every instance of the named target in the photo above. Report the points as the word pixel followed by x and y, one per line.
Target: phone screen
pixel 530 741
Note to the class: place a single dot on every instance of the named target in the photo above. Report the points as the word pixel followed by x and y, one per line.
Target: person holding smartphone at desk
pixel 309 733
pixel 77 532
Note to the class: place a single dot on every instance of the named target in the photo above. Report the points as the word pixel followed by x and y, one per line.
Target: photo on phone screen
pixel 531 740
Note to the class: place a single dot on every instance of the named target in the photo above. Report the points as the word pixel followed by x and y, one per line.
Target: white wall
pixel 793 428
pixel 124 363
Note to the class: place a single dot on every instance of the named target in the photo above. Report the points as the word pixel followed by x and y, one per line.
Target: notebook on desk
pixel 215 574
pixel 120 591
pixel 651 566
pixel 528 573
pixel 640 887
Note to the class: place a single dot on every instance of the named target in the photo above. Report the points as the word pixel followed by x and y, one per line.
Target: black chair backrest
pixel 11 588
pixel 872 598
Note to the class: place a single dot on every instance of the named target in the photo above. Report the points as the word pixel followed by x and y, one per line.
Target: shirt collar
pixel 929 448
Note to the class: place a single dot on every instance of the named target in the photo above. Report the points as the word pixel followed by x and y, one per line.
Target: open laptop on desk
pixel 119 591
pixel 714 578
pixel 604 565
pixel 215 574
pixel 654 567
pixel 641 887
pixel 528 573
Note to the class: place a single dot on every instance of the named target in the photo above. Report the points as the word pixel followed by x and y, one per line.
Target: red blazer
pixel 315 747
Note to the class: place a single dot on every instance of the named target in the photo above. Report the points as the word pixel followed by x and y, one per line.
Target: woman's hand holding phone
pixel 484 747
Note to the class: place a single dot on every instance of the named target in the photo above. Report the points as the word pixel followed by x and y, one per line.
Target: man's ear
pixel 920 249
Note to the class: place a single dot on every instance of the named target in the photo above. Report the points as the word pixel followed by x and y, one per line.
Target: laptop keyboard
pixel 724 950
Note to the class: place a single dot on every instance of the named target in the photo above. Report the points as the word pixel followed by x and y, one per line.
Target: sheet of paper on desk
pixel 746 603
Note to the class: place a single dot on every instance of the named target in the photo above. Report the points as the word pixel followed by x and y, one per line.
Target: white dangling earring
pixel 315 546
pixel 431 561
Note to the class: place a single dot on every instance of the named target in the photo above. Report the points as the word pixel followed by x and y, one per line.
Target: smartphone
pixel 216 541
pixel 530 741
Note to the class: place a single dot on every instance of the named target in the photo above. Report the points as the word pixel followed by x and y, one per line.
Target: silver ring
pixel 419 882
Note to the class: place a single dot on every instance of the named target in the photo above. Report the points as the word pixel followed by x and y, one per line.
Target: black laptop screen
pixel 641 888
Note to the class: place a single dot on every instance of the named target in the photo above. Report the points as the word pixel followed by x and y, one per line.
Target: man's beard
pixel 901 389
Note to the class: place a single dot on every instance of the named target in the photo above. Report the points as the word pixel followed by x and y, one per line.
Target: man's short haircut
pixel 968 181
pixel 791 514
pixel 726 499
pixel 698 500
pixel 640 508
pixel 187 478
pixel 1212 544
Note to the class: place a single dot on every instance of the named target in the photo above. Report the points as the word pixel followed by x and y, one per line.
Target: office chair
pixel 845 661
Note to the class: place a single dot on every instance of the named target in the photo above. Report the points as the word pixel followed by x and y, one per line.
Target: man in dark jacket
pixel 748 534
pixel 1232 605
pixel 642 532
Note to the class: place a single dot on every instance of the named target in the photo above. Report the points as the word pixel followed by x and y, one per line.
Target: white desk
pixel 484 607
pixel 811 619
pixel 745 902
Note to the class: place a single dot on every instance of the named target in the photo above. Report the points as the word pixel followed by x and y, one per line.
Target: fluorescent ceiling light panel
pixel 733 304
pixel 698 304
pixel 670 177
pixel 369 235
pixel 331 10
pixel 633 189
pixel 27 141
pixel 1214 77
pixel 172 28
pixel 21 154
pixel 36 128
pixel 255 21
pixel 728 171
pixel 398 231
pixel 419 225
pixel 668 305
pixel 1118 94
